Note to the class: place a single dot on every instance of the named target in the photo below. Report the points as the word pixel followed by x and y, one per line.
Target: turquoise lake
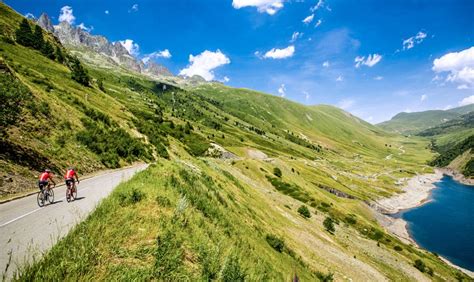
pixel 445 225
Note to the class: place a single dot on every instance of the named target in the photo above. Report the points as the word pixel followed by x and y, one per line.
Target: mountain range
pixel 242 185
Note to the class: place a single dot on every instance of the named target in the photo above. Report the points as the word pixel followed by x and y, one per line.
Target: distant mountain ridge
pixel 114 53
pixel 413 123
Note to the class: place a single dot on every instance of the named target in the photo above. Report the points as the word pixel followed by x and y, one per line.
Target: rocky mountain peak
pixel 45 22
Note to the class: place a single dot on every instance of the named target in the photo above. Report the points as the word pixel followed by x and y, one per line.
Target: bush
pixel 398 248
pixel 351 219
pixel 328 277
pixel 78 72
pixel 275 242
pixel 13 95
pixel 329 225
pixel 304 212
pixel 132 197
pixel 163 201
pixel 232 271
pixel 277 172
pixel 420 265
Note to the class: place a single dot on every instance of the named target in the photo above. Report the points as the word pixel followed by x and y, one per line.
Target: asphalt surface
pixel 28 231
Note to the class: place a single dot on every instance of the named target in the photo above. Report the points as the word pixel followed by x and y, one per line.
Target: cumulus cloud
pixel 467 101
pixel 226 79
pixel 282 90
pixel 204 64
pixel 66 15
pixel 318 6
pixel 308 19
pixel 132 47
pixel 134 8
pixel 459 66
pixel 263 6
pixel 345 104
pixel 378 77
pixel 84 27
pixel 340 78
pixel 295 36
pixel 416 39
pixel 158 54
pixel 423 97
pixel 370 61
pixel 30 16
pixel 326 64
pixel 280 53
pixel 318 23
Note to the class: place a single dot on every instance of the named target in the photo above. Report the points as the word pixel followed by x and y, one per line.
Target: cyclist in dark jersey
pixel 44 180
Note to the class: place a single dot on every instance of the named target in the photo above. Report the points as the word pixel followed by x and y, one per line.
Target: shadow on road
pixel 79 198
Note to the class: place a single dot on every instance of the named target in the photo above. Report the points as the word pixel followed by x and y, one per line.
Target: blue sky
pixel 372 58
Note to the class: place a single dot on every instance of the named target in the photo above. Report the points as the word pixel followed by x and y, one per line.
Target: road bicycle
pixel 71 191
pixel 45 195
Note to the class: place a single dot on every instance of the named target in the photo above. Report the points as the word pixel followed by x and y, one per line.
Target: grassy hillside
pixel 232 169
pixel 413 123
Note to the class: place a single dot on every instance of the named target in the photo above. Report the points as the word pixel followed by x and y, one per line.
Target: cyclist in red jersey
pixel 69 177
pixel 44 180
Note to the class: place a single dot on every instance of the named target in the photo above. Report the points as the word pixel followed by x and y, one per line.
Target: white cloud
pixel 462 87
pixel 326 64
pixel 308 19
pixel 134 8
pixel 282 90
pixel 66 15
pixel 106 12
pixel 423 97
pixel 370 61
pixel 319 5
pixel 378 77
pixel 306 95
pixel 159 54
pixel 280 53
pixel 30 16
pixel 416 39
pixel 263 6
pixel 467 101
pixel 459 65
pixel 226 79
pixel 447 107
pixel 132 48
pixel 84 27
pixel 295 36
pixel 340 78
pixel 318 23
pixel 346 104
pixel 204 64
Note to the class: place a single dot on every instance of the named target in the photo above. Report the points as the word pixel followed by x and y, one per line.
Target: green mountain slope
pixel 413 123
pixel 231 168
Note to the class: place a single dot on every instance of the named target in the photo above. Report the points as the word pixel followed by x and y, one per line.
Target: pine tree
pixel 59 55
pixel 38 40
pixel 78 73
pixel 48 50
pixel 24 35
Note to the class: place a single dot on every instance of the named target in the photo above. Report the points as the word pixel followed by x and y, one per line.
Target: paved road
pixel 27 230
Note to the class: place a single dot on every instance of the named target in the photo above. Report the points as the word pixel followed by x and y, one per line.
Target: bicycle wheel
pixel 40 199
pixel 74 194
pixel 68 194
pixel 51 196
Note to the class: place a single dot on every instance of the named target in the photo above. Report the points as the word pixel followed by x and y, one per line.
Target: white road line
pixel 33 211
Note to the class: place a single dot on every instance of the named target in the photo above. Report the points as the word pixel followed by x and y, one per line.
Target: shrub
pixel 78 72
pixel 329 225
pixel 232 271
pixel 304 212
pixel 375 234
pixel 13 95
pixel 24 34
pixel 328 277
pixel 275 242
pixel 277 172
pixel 420 265
pixel 131 197
pixel 398 248
pixel 163 201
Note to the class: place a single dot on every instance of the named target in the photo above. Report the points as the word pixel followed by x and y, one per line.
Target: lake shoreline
pixel 416 192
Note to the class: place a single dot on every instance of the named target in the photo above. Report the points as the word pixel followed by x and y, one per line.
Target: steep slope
pixel 413 123
pixel 201 215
